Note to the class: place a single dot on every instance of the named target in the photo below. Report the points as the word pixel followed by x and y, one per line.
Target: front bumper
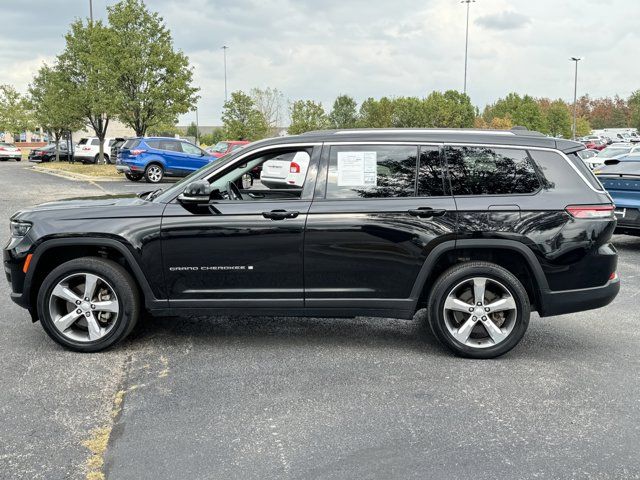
pixel 11 156
pixel 15 276
pixel 570 301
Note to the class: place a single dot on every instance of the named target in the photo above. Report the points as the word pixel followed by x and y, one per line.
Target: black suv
pixel 478 227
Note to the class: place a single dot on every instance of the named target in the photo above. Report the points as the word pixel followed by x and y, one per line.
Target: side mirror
pixel 196 193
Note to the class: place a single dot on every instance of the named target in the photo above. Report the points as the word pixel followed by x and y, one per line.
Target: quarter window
pixel 490 171
pixel 372 171
pixel 190 149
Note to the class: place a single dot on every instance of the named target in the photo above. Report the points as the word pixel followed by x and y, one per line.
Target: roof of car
pixel 515 137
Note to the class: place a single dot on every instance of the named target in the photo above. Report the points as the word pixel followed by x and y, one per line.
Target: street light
pixel 224 52
pixel 575 96
pixel 466 43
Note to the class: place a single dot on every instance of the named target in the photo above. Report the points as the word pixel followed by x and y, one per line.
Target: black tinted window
pixel 372 171
pixel 132 143
pixel 431 176
pixel 490 171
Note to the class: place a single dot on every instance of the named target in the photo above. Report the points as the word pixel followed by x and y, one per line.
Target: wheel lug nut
pixel 484 318
pixel 487 309
pixel 78 311
pixel 479 304
pixel 475 318
pixel 471 309
pixel 93 306
pixel 78 302
pixel 86 299
pixel 88 314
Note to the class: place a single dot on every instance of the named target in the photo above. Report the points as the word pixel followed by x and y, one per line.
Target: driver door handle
pixel 426 212
pixel 280 214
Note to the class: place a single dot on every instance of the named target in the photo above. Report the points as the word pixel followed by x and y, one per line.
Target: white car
pixel 612 152
pixel 8 151
pixel 88 149
pixel 287 170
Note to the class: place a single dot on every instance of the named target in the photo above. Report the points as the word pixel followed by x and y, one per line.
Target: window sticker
pixel 357 169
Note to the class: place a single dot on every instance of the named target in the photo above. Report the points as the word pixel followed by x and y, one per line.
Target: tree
pixel 241 119
pixel 307 115
pixel 583 128
pixel 48 93
pixel 154 80
pixel 192 130
pixel 409 112
pixel 558 121
pixel 212 138
pixel 270 103
pixel 343 113
pixel 522 111
pixel 634 109
pixel 15 115
pixel 376 113
pixel 450 109
pixel 87 67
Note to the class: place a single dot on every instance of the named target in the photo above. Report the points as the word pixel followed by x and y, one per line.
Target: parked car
pixel 48 153
pixel 221 149
pixel 89 149
pixel 595 143
pixel 287 170
pixel 153 158
pixel 621 178
pixel 480 228
pixel 588 153
pixel 612 152
pixel 115 148
pixel 8 151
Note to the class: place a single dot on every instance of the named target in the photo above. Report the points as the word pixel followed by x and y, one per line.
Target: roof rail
pixel 520 130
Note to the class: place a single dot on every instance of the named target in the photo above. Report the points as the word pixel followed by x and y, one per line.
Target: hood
pixel 91 202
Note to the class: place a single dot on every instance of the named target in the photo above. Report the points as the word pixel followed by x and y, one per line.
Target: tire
pixel 113 318
pixel 133 177
pixel 456 288
pixel 97 161
pixel 154 173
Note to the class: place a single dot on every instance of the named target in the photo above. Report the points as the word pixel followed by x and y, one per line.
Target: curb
pixel 75 176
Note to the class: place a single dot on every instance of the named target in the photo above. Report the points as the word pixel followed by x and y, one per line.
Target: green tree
pixel 634 109
pixel 558 121
pixel 209 139
pixel 450 109
pixel 343 113
pixel 583 128
pixel 241 120
pixel 165 129
pixel 522 111
pixel 376 113
pixel 192 130
pixel 409 112
pixel 15 115
pixel 307 115
pixel 154 80
pixel 48 93
pixel 87 67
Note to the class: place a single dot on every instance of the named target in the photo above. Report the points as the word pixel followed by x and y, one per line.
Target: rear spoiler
pixel 569 146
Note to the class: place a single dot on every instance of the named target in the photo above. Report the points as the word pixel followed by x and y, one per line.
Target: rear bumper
pixel 628 220
pixel 570 301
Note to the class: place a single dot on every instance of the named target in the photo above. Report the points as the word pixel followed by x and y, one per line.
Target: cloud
pixel 503 21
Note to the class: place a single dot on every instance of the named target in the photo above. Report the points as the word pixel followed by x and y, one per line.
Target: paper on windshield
pixel 357 169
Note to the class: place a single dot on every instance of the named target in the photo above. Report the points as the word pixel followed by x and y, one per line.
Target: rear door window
pixel 372 171
pixel 95 141
pixel 491 171
pixel 431 173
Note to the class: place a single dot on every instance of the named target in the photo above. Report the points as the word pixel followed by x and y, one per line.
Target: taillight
pixel 40 152
pixel 294 168
pixel 590 211
pixel 3 149
pixel 133 153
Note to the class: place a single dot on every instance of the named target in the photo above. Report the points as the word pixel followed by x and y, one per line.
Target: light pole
pixel 466 43
pixel 197 128
pixel 91 10
pixel 575 96
pixel 224 52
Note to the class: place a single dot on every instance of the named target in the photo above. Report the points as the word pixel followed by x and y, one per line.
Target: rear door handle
pixel 426 212
pixel 280 214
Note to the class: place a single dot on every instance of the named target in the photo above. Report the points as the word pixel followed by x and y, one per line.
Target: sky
pixel 310 49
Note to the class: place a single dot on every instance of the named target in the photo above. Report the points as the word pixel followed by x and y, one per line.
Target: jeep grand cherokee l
pixel 479 227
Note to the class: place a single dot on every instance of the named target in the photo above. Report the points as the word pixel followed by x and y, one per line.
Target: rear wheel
pixel 154 173
pixel 88 304
pixel 133 177
pixel 478 310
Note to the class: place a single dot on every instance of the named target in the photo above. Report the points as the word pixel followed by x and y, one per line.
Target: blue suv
pixel 156 157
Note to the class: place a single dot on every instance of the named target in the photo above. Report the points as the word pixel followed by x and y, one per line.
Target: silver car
pixel 8 151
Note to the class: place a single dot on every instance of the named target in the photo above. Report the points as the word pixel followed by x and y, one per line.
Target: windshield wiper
pixel 154 194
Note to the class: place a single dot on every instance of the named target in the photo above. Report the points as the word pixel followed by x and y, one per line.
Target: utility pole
pixel 466 43
pixel 575 96
pixel 197 128
pixel 224 53
pixel 91 10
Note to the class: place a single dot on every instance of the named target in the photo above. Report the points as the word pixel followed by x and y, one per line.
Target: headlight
pixel 19 229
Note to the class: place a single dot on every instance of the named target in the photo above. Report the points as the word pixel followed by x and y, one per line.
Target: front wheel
pixel 88 304
pixel 478 310
pixel 154 173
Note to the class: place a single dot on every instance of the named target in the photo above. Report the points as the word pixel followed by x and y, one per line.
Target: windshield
pixel 613 151
pixel 220 147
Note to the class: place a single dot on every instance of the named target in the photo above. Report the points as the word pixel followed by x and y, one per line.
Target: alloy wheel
pixel 480 312
pixel 83 307
pixel 154 173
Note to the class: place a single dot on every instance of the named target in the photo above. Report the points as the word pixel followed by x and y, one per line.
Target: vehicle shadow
pixel 364 332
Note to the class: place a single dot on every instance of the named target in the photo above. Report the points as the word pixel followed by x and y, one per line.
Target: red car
pixel 222 148
pixel 595 143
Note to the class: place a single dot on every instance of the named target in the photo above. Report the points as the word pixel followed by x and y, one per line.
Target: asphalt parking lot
pixel 222 398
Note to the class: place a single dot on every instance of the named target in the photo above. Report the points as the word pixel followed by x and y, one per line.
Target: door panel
pixel 236 257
